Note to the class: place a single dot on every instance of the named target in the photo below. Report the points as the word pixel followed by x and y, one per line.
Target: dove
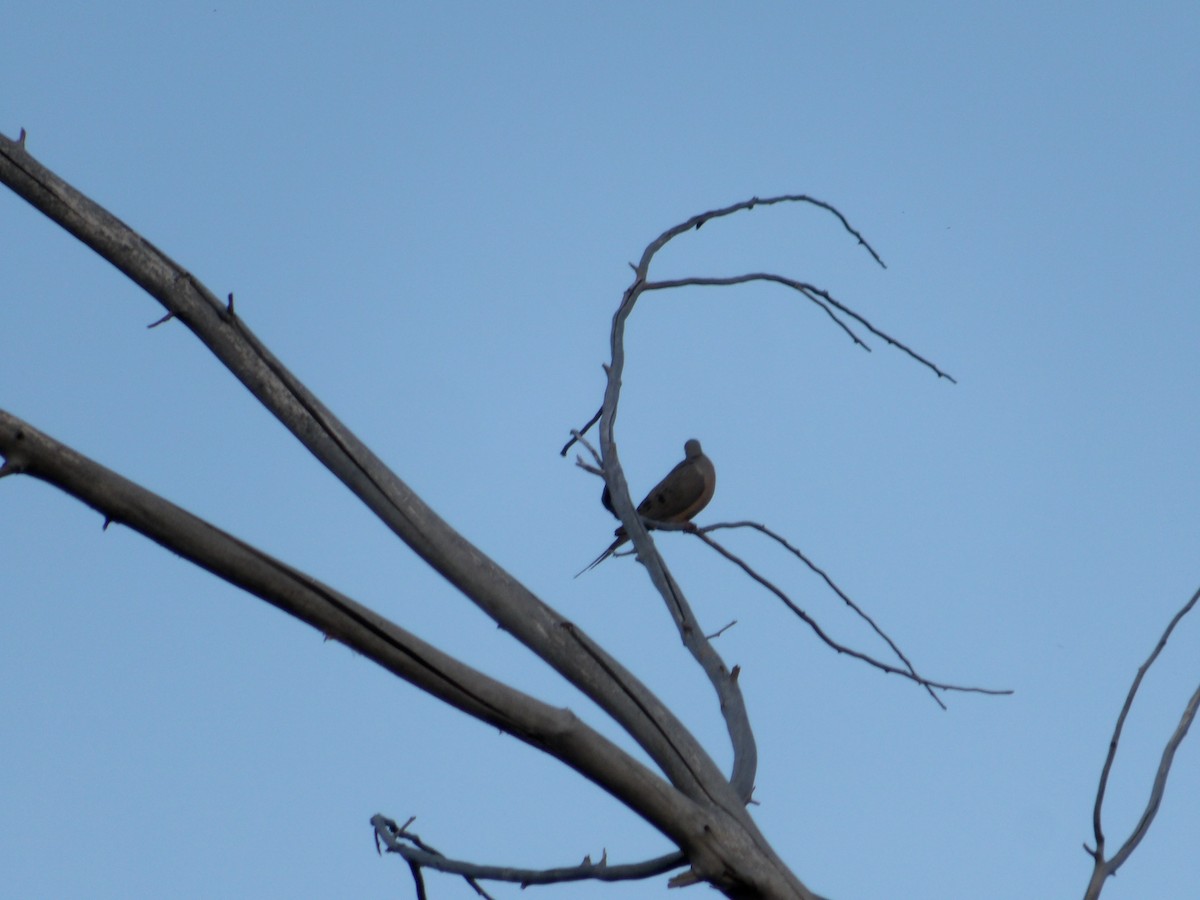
pixel 677 498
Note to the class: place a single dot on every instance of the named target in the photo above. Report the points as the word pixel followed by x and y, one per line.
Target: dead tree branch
pixel 818 296
pixel 690 631
pixel 1102 869
pixel 551 729
pixel 420 854
pixel 721 841
pixel 907 672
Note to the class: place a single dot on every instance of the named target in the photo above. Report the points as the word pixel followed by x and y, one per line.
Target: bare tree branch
pixel 642 268
pixel 907 672
pixel 721 841
pixel 858 610
pixel 1103 869
pixel 578 433
pixel 698 220
pixel 818 296
pixel 490 587
pixel 551 729
pixel 689 629
pixel 394 836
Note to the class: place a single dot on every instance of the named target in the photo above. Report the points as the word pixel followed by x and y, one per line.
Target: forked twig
pixel 908 672
pixel 1103 869
pixel 399 840
pixel 820 297
pixel 799 554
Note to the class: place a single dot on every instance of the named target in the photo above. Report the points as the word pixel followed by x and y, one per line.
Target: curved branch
pixel 1160 783
pixel 1103 869
pixel 641 270
pixel 732 704
pixel 697 221
pixel 692 634
pixel 818 296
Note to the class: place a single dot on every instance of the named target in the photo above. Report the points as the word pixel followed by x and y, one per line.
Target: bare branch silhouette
pixel 416 852
pixel 1103 869
pixel 641 270
pixel 907 672
pixel 795 551
pixel 696 806
pixel 818 296
pixel 611 467
pixel 578 433
pixel 551 729
pixel 689 629
pixel 697 221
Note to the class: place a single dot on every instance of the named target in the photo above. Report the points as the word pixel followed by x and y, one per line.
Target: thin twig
pixel 799 554
pixel 642 267
pixel 577 434
pixel 818 296
pixel 698 220
pixel 391 834
pixel 587 445
pixel 394 836
pixel 720 631
pixel 908 673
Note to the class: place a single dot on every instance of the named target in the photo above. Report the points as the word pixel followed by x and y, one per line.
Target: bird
pixel 677 498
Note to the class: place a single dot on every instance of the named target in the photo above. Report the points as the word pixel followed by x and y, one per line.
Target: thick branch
pixel 554 730
pixel 501 596
pixel 728 852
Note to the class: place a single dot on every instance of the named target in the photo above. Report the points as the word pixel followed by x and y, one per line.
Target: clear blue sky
pixel 428 214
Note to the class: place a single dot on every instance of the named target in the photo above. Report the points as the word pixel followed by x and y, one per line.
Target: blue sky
pixel 427 213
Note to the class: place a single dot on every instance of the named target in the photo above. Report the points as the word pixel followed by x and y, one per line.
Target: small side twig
pixel 578 433
pixel 598 469
pixel 700 219
pixel 720 631
pixel 167 318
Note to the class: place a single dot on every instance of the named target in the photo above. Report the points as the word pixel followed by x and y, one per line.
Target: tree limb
pixel 1102 869
pixel 551 729
pixel 723 845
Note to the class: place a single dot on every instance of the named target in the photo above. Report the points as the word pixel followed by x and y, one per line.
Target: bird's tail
pixel 603 556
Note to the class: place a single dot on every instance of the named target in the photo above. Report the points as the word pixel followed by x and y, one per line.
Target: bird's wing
pixel 684 492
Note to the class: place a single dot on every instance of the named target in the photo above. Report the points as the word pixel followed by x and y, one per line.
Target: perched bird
pixel 677 498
